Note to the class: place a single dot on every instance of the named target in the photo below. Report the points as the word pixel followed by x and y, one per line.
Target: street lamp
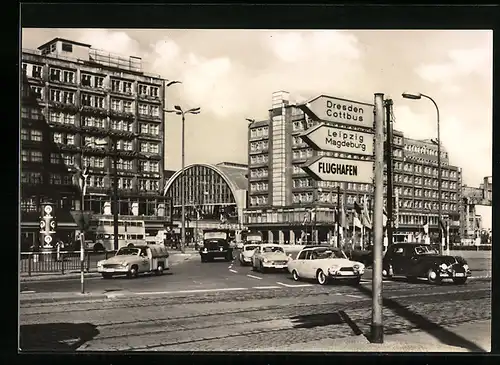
pixel 84 171
pixel 178 110
pixel 416 96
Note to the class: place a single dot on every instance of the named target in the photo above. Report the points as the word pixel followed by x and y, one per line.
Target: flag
pixel 384 218
pixel 367 222
pixel 356 214
pixel 425 226
pixel 342 217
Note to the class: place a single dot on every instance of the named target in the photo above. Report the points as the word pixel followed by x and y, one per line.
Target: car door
pixel 397 260
pixel 144 264
pixel 298 263
pixel 309 265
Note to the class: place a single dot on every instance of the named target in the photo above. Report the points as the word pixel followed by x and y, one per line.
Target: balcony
pixel 69 107
pixel 94 130
pixel 148 117
pixel 87 109
pixel 121 114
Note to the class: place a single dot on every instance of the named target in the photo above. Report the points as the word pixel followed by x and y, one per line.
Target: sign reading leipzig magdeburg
pixel 330 109
pixel 327 138
pixel 340 169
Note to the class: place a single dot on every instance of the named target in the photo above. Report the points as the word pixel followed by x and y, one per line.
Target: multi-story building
pixel 282 196
pixel 471 221
pixel 73 95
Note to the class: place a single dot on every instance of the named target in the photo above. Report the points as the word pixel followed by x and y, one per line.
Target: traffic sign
pixel 327 168
pixel 48 239
pixel 342 111
pixel 328 138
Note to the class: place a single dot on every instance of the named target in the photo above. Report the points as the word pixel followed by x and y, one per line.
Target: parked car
pixel 325 264
pixel 216 244
pixel 269 257
pixel 246 254
pixel 416 260
pixel 132 261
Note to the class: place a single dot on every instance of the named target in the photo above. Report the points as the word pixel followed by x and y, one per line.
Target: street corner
pixel 41 298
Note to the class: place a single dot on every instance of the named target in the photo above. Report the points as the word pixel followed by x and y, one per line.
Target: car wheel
pixel 262 269
pixel 159 270
pixel 321 278
pixel 387 272
pixel 460 281
pixel 433 276
pixel 133 272
pixel 295 275
pixel 107 275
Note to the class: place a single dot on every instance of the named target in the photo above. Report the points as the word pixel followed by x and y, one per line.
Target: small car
pixel 246 254
pixel 325 264
pixel 216 244
pixel 131 261
pixel 418 260
pixel 269 257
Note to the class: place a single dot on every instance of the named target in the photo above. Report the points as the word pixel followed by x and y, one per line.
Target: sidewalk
pixel 467 337
pixel 175 258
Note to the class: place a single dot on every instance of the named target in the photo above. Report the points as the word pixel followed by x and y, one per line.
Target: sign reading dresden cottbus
pixel 342 111
pixel 334 139
pixel 340 169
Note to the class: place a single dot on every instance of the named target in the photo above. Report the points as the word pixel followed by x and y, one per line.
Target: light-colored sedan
pixel 246 254
pixel 269 257
pixel 325 264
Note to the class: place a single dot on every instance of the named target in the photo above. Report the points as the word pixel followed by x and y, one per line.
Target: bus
pixel 130 232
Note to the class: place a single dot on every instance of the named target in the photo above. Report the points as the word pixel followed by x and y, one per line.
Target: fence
pixel 66 261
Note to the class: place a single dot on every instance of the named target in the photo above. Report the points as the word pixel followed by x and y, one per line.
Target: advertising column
pixel 47 227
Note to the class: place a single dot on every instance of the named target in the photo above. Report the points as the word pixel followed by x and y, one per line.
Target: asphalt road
pixel 247 314
pixel 195 276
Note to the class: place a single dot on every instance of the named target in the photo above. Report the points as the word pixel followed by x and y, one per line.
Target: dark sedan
pixel 415 260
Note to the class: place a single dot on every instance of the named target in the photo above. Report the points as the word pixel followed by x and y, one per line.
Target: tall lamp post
pixel 178 110
pixel 417 96
pixel 84 175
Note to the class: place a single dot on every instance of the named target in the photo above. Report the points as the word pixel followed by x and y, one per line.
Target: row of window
pixel 31 156
pixel 259 159
pixel 259 132
pixel 259 146
pixel 259 172
pixel 31 113
pixel 28 134
pixel 409 179
pixel 86 79
pixel 259 186
pixel 259 200
pixel 424 150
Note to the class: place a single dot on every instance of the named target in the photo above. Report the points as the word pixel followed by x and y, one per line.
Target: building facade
pixel 215 197
pixel 285 203
pixel 71 96
pixel 471 221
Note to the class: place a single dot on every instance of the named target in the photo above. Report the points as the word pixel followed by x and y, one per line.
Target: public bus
pixel 130 232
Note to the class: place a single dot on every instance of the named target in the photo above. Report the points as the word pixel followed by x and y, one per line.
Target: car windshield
pixel 272 249
pixel 215 235
pixel 425 250
pixel 328 254
pixel 127 251
pixel 250 248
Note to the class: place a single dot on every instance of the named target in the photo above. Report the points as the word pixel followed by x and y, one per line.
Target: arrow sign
pixel 328 138
pixel 340 111
pixel 340 169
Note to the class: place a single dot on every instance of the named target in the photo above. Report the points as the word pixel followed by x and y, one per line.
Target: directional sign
pixel 340 111
pixel 340 169
pixel 328 138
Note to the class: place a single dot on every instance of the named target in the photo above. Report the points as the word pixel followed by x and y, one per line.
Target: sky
pixel 231 75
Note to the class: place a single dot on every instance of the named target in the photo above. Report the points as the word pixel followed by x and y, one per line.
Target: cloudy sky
pixel 231 75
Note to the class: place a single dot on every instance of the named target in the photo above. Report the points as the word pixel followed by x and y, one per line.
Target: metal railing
pixel 63 262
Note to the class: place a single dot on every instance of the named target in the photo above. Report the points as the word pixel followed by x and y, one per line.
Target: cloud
pixel 461 62
pixel 112 41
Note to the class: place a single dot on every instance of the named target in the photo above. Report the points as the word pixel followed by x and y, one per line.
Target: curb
pixel 54 298
pixel 91 274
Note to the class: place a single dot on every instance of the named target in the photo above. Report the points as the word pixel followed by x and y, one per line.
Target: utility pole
pixel 388 114
pixel 377 327
pixel 338 215
pixel 115 193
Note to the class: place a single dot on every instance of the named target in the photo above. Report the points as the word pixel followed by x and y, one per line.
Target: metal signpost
pixel 347 130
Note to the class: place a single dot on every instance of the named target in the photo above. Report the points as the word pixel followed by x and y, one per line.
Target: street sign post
pixel 327 168
pixel 342 111
pixel 337 139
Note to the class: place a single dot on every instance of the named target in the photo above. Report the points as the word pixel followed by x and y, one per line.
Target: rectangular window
pixel 36 135
pixel 143 89
pixel 67 47
pixel 115 85
pixel 55 74
pixel 55 95
pixel 154 129
pixel 127 107
pixel 154 91
pixel 99 102
pixel 69 77
pixel 153 148
pixel 36 71
pixel 155 111
pixel 36 156
pixel 127 87
pixel 144 147
pixel 86 80
pixel 144 128
pixel 68 97
pixel 37 92
pixel 143 109
pixel 99 81
pixel 115 104
pixel 25 134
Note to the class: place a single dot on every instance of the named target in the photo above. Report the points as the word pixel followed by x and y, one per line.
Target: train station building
pixel 215 197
